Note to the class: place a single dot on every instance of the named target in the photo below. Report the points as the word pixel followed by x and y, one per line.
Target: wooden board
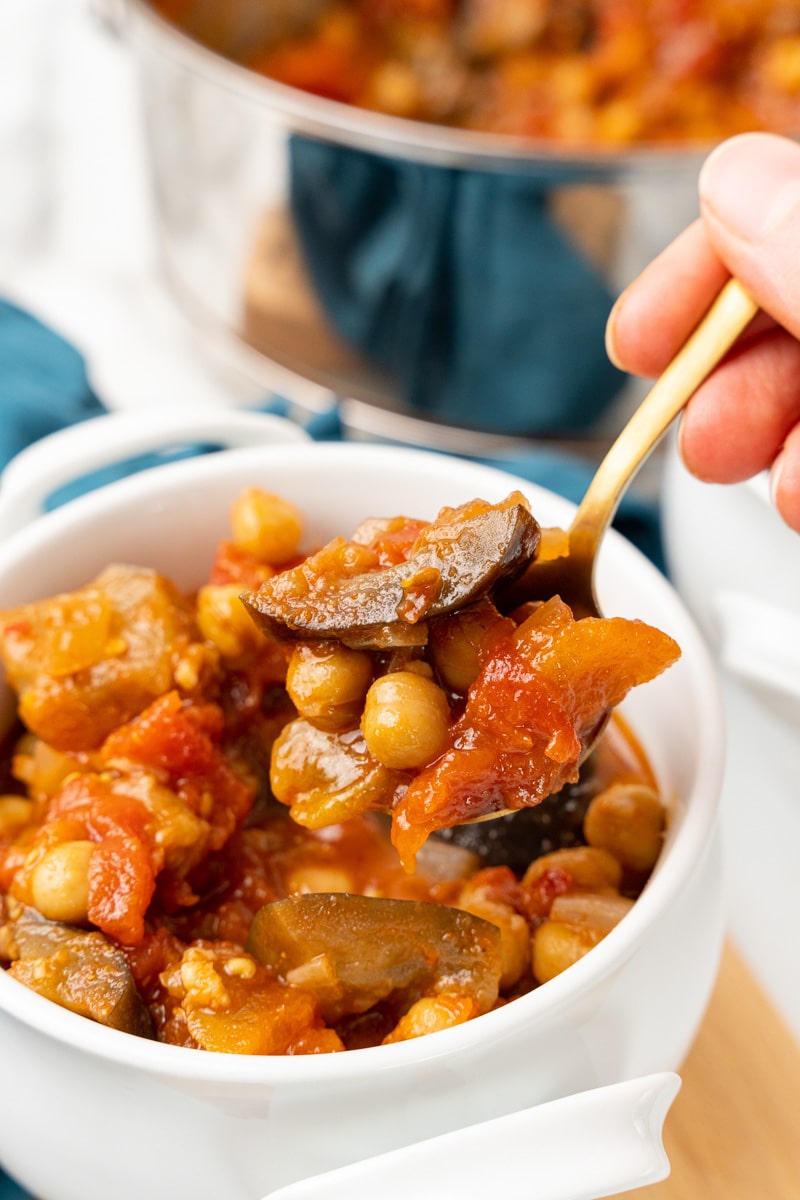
pixel 733 1132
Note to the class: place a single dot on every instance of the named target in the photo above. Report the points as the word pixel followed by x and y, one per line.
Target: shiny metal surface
pixel 220 139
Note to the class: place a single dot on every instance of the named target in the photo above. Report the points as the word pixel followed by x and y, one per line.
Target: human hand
pixel 746 417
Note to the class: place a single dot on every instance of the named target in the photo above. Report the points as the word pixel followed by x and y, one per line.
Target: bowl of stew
pixel 402 206
pixel 250 931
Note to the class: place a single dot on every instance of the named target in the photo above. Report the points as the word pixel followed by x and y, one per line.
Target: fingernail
pixel 751 183
pixel 775 473
pixel 611 334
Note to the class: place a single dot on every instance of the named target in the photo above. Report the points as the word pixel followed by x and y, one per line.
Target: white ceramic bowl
pixel 96 1112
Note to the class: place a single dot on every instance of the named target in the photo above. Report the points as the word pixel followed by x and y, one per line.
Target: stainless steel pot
pixel 438 281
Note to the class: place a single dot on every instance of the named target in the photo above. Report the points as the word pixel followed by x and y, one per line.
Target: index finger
pixel 656 313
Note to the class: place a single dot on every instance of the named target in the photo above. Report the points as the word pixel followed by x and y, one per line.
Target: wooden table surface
pixel 733 1132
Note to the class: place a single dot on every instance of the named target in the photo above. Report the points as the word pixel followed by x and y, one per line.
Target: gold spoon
pixel 572 575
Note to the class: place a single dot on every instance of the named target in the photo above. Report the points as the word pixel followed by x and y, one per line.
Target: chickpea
pixel 781 63
pixel 318 879
pixel 15 813
pixel 418 666
pixel 557 946
pixel 577 922
pixel 627 820
pixel 60 882
pixel 405 721
pixel 224 621
pixel 266 526
pixel 459 644
pixel 590 868
pixel 327 683
pixel 431 1014
pixel 396 90
pixel 618 121
pixel 515 937
pixel 42 768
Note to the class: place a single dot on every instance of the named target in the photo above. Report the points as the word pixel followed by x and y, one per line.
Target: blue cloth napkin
pixel 458 286
pixel 43 383
pixel 44 386
pixel 9 1190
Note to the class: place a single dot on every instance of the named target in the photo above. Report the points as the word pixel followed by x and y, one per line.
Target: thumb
pixel 750 203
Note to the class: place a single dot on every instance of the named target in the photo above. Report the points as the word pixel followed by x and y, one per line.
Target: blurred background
pixel 421 211
pixel 354 215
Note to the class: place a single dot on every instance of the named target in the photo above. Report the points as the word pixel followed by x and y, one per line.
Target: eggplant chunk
pixel 457 559
pixel 79 970
pixel 354 951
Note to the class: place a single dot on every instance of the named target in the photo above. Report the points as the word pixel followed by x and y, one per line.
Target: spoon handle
pixel 728 316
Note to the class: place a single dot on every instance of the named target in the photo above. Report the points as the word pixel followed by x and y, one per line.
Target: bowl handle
pixel 70 453
pixel 596 1143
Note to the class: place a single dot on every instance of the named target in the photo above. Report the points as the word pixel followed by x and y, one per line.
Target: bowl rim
pixel 684 855
pixel 405 138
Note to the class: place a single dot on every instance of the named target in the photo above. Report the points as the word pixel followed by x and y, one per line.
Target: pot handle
pixel 70 453
pixel 596 1143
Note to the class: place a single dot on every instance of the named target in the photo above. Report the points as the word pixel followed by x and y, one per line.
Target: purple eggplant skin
pixel 356 951
pixel 78 969
pixel 454 564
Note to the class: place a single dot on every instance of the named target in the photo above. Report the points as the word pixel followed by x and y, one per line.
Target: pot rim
pixel 680 858
pixel 386 135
